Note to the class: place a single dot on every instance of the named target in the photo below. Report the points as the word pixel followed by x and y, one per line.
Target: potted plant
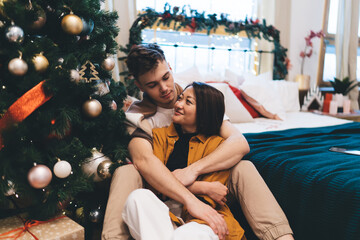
pixel 302 79
pixel 342 88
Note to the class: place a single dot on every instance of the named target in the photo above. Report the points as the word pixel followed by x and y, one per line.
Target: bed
pixel 319 190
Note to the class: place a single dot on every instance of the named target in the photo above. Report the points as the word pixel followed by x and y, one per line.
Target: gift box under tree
pixel 59 228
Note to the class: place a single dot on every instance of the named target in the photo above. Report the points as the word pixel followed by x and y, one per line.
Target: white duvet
pixel 293 120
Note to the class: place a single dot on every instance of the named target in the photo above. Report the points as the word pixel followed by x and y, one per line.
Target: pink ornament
pixel 39 176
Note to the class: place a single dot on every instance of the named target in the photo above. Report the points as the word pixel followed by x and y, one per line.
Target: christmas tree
pixel 61 122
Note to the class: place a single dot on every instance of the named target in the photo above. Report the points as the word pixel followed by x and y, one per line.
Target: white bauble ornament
pixel 90 165
pixel 62 169
pixel 17 67
pixel 74 76
pixel 11 190
pixel 14 34
pixel 39 176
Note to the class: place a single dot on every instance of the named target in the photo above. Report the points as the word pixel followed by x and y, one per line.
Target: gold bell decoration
pixel 92 108
pixel 17 66
pixel 108 64
pixel 72 24
pixel 40 62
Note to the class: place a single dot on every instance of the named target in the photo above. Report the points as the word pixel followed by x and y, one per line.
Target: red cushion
pixel 248 107
pixel 243 101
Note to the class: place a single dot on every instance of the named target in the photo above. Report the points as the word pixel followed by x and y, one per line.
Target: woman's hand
pixel 215 220
pixel 216 191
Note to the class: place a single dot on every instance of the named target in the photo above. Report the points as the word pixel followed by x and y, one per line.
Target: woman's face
pixel 185 111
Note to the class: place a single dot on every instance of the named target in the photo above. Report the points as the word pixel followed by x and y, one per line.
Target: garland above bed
pixel 197 22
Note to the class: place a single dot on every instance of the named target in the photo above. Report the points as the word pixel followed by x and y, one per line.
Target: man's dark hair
pixel 210 108
pixel 143 58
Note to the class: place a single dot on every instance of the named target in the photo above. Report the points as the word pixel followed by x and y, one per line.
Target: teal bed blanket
pixel 318 190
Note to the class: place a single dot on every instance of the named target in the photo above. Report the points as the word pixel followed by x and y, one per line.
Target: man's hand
pixel 215 220
pixel 186 176
pixel 217 192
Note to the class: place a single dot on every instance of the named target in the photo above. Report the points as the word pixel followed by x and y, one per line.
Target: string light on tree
pixel 72 24
pixel 92 108
pixel 62 169
pixel 39 176
pixel 17 66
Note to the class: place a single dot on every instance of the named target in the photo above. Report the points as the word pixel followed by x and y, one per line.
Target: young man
pixel 153 76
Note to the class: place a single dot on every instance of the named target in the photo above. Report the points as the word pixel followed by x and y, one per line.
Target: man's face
pixel 159 85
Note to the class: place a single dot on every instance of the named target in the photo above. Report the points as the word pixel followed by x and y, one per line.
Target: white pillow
pixel 213 77
pixel 233 78
pixel 265 94
pixel 188 76
pixel 289 94
pixel 249 77
pixel 234 109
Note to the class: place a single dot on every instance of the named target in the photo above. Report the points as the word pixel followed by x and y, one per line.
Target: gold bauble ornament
pixel 92 108
pixel 103 170
pixel 79 212
pixel 40 63
pixel 17 67
pixel 41 18
pixel 72 24
pixel 108 64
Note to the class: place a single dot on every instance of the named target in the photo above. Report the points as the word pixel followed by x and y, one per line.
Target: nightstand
pixel 355 116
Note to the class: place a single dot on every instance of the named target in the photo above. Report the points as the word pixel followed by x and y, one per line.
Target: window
pixel 329 54
pixel 209 53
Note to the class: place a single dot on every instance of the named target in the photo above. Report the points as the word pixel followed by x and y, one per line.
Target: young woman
pixel 194 133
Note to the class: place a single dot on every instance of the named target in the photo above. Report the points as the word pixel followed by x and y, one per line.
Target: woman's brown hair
pixel 210 108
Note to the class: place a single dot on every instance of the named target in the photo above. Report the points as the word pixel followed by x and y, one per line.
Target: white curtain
pixel 276 13
pixel 266 10
pixel 126 10
pixel 346 43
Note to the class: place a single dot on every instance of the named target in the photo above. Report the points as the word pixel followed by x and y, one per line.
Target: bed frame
pixel 176 20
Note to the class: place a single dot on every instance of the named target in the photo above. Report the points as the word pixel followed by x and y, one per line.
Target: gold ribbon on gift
pixel 18 232
pixel 23 107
